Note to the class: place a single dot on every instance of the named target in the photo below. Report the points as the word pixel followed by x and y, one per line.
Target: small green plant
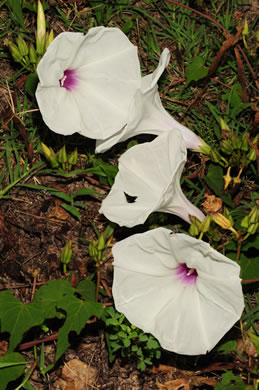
pixel 127 340
pixel 61 160
pixel 26 54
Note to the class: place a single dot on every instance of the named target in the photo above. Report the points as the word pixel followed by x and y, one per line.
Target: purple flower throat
pixel 69 79
pixel 185 274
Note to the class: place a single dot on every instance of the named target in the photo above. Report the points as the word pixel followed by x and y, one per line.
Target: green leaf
pixel 152 344
pixel 47 296
pixel 31 83
pixel 251 242
pixel 86 191
pixel 230 381
pixel 255 339
pixel 215 181
pixel 196 70
pixel 234 98
pixel 16 7
pixel 249 266
pixel 78 312
pixel 16 368
pixel 87 290
pixel 227 347
pixel 126 343
pixel 71 209
pixel 17 317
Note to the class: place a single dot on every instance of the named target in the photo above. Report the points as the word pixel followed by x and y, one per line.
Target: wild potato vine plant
pixel 222 179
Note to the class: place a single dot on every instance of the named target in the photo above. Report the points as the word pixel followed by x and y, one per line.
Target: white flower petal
pixel 108 73
pixel 151 173
pixel 186 319
pixel 148 116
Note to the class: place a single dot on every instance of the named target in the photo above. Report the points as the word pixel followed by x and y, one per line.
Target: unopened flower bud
pixel 226 146
pixel 62 155
pixel 195 221
pixel 32 54
pixel 254 215
pixel 41 30
pixel 15 52
pixel 205 224
pixel 101 243
pixel 193 230
pixel 50 155
pixel 206 149
pixel 49 38
pixel 253 228
pixel 245 222
pixel 236 142
pixel 66 253
pixel 22 46
pixel 223 125
pixel 72 160
pixel 245 145
pixel 251 155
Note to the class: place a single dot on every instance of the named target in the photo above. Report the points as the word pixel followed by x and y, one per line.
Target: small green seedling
pixel 127 340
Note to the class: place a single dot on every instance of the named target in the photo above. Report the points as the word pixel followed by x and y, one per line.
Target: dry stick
pixel 241 75
pixel 30 344
pixel 248 64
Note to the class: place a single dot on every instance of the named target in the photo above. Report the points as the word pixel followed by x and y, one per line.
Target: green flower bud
pixel 195 221
pixel 62 155
pixel 32 54
pixel 244 144
pixel 193 230
pixel 254 215
pixel 72 160
pixel 66 253
pixel 15 52
pixel 223 125
pixel 215 156
pixel 205 224
pixel 236 142
pixel 206 149
pixel 50 155
pixel 245 222
pixel 253 228
pixel 41 30
pixel 226 146
pixel 49 38
pixel 251 155
pixel 22 46
pixel 101 243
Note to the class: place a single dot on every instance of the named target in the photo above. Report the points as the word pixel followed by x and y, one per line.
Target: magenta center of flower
pixel 185 274
pixel 69 79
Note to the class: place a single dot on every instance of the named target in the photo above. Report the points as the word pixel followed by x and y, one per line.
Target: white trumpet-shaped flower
pixel 150 173
pixel 87 82
pixel 148 116
pixel 178 288
pixel 92 84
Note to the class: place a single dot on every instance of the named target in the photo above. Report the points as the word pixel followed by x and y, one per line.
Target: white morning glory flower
pixel 150 173
pixel 92 84
pixel 148 116
pixel 178 288
pixel 87 82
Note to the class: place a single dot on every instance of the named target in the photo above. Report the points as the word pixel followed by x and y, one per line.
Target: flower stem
pixel 97 283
